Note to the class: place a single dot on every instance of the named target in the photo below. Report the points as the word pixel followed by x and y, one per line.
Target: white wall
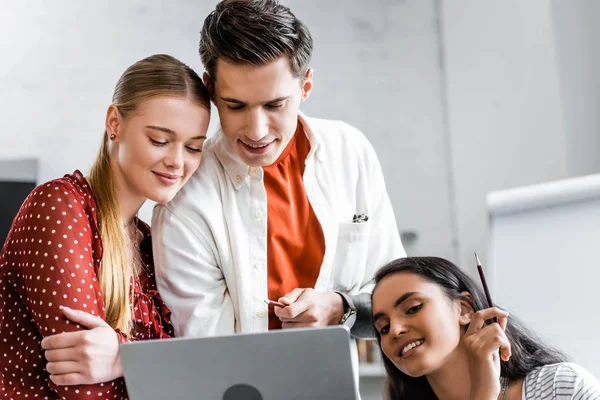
pixel 576 31
pixel 504 112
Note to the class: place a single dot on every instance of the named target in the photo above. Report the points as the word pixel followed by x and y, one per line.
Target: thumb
pixel 291 297
pixel 83 318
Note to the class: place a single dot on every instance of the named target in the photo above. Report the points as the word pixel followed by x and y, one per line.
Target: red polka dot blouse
pixel 51 258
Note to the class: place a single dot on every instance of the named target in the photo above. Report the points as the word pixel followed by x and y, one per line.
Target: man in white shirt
pixel 283 207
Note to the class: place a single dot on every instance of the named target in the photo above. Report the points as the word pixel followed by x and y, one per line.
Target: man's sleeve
pixel 188 278
pixel 384 242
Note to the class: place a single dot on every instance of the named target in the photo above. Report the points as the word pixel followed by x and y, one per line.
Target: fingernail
pixel 64 308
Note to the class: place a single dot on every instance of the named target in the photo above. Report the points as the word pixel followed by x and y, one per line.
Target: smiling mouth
pixel 411 346
pixel 257 146
pixel 167 179
pixel 168 176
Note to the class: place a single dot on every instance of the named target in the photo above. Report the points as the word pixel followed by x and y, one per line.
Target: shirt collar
pixel 314 137
pixel 238 171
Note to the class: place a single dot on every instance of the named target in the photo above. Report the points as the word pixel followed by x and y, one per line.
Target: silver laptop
pixel 285 364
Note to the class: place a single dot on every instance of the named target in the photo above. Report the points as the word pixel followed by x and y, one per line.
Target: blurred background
pixel 460 98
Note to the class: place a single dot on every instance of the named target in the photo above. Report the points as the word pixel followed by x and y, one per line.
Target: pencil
pixel 484 284
pixel 274 303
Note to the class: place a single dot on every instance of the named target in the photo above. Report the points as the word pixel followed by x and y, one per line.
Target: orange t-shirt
pixel 295 242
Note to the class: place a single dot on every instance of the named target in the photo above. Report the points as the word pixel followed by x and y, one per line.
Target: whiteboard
pixel 544 251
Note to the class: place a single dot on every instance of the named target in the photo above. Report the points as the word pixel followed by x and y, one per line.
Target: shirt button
pixel 253 170
pixel 258 214
pixel 257 266
pixel 238 178
pixel 260 314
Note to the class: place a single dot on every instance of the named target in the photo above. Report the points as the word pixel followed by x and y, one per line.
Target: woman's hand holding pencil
pixel 482 343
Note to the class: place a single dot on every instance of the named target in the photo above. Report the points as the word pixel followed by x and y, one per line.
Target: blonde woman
pixel 76 269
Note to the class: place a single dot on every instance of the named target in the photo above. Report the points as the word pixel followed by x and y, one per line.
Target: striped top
pixel 560 382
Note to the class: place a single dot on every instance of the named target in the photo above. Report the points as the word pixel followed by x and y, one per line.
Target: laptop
pixel 308 363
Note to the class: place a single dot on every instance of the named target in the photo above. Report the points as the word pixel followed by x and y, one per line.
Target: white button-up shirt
pixel 210 242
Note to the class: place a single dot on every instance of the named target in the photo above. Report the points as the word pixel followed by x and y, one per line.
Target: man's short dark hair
pixel 256 33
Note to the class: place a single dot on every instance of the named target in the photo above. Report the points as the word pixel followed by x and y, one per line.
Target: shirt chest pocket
pixel 350 259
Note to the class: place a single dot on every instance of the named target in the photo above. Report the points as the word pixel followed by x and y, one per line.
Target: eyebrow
pixel 171 132
pixel 236 101
pixel 398 301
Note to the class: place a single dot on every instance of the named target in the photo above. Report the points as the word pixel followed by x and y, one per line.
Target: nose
pixel 174 158
pixel 397 329
pixel 257 126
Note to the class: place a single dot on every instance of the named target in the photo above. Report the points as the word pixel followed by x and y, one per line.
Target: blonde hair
pixel 155 76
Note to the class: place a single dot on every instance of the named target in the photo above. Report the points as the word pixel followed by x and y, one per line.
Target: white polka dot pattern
pixel 51 258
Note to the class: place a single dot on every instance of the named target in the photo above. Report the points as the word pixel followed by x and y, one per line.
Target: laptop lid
pixel 289 364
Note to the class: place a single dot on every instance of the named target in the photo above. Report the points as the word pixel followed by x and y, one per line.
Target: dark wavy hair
pixel 528 351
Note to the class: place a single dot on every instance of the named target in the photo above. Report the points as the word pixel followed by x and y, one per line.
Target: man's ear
pixel 210 85
pixel 465 304
pixel 307 85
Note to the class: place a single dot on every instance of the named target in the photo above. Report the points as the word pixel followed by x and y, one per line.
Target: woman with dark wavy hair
pixel 438 342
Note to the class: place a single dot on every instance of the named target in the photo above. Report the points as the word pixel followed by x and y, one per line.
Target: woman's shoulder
pixel 69 186
pixel 70 196
pixel 564 380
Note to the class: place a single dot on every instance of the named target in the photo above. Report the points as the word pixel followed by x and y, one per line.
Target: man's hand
pixel 309 308
pixel 83 357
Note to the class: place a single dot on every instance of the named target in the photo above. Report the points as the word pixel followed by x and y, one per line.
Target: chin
pixel 163 197
pixel 411 373
pixel 262 160
pixel 419 371
pixel 416 370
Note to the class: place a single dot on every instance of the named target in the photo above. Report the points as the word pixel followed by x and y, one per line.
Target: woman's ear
pixel 113 121
pixel 465 304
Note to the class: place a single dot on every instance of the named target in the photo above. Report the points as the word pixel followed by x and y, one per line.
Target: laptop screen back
pixel 287 364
